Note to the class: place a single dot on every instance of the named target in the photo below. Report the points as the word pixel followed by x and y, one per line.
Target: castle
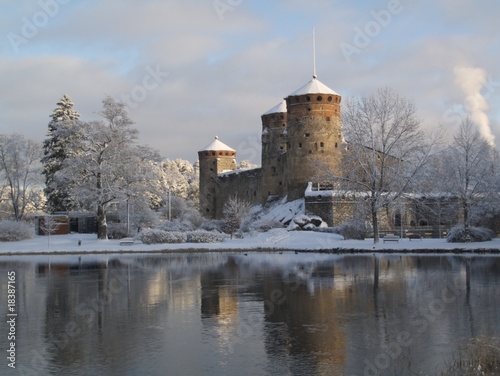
pixel 299 134
pixel 301 139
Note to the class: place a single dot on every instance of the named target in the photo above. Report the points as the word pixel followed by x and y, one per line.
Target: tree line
pixel 91 166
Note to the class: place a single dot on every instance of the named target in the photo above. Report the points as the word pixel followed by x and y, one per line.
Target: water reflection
pixel 255 314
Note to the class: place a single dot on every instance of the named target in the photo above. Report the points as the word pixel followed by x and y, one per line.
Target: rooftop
pixel 280 107
pixel 217 145
pixel 314 86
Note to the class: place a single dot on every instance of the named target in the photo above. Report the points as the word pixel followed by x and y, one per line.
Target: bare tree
pixel 470 171
pixel 20 170
pixel 385 149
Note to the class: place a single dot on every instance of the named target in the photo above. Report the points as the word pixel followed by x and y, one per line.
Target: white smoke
pixel 471 81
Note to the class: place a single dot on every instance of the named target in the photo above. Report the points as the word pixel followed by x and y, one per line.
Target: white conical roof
pixel 314 86
pixel 280 107
pixel 217 145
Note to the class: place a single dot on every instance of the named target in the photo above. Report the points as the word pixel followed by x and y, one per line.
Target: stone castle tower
pixel 301 137
pixel 214 159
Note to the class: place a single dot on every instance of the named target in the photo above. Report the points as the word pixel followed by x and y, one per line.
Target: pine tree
pixel 62 126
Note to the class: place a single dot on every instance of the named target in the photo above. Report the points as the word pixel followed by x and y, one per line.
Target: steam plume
pixel 471 81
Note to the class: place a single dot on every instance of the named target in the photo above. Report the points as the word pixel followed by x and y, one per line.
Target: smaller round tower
pixel 273 151
pixel 214 159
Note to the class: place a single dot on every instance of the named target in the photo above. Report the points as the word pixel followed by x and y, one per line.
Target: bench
pixel 414 236
pixel 127 241
pixel 391 238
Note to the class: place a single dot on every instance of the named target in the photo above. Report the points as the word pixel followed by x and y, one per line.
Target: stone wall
pixel 243 184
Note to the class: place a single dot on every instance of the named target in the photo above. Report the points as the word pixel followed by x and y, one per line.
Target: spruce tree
pixel 62 126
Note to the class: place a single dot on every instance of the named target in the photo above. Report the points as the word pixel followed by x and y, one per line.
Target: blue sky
pixel 212 67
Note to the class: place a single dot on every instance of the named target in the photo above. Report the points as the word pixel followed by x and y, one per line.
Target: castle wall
pixel 244 184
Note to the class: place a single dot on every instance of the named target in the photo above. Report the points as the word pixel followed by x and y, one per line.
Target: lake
pixel 245 313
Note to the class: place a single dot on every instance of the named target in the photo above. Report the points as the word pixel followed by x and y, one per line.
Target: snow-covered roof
pixel 217 145
pixel 314 86
pixel 280 107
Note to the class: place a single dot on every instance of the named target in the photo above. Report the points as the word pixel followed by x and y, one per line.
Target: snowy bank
pixel 276 239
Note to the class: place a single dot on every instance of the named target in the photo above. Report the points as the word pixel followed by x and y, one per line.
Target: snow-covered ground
pixel 276 239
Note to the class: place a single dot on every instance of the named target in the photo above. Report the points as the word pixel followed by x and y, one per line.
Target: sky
pixel 191 70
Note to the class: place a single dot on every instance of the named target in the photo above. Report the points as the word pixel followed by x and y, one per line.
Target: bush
pixel 479 356
pixel 201 236
pixel 12 231
pixel 213 225
pixel 117 230
pixel 476 234
pixel 262 225
pixel 177 225
pixel 157 236
pixel 351 230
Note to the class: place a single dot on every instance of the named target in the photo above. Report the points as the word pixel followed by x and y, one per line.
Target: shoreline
pixel 277 240
pixel 333 251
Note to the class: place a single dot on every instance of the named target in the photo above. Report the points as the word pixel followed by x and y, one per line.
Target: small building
pixel 52 224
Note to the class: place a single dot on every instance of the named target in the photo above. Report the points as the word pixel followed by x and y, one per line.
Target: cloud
pixel 224 73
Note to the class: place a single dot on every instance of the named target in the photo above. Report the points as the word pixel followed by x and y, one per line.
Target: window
pixel 329 99
pixel 319 98
pixel 307 135
pixel 322 144
pixel 336 145
pixel 328 118
pixel 308 98
pixel 300 144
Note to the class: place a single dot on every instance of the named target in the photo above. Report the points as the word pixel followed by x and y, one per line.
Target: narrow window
pixel 300 144
pixel 336 145
pixel 328 118
pixel 322 144
pixel 307 134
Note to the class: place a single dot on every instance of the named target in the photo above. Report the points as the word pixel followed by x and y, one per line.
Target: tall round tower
pixel 215 158
pixel 314 131
pixel 273 149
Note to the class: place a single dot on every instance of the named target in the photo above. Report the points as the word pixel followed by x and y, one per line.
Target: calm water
pixel 255 314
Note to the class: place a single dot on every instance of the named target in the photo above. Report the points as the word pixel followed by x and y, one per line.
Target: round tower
pixel 314 131
pixel 214 159
pixel 273 149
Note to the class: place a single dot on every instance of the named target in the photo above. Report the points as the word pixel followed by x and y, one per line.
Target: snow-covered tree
pixel 470 173
pixel 56 148
pixel 19 171
pixel 246 164
pixel 181 178
pixel 385 149
pixel 107 167
pixel 234 212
